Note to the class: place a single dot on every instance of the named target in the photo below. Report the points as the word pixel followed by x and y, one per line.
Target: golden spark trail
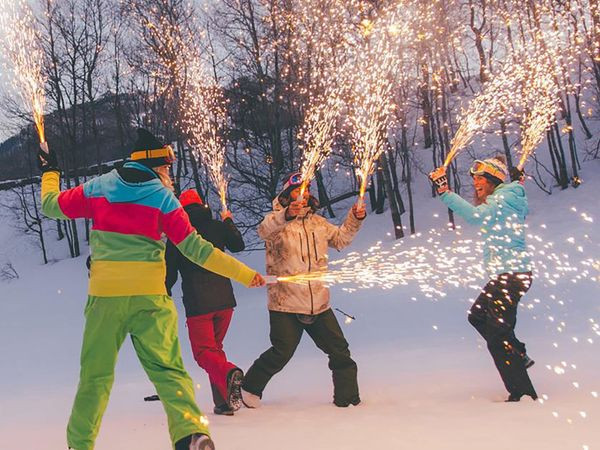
pixel 496 100
pixel 541 95
pixel 317 136
pixel 316 39
pixel 375 68
pixel 527 86
pixel 24 58
pixel 197 101
pixel 435 266
pixel 545 57
pixel 204 121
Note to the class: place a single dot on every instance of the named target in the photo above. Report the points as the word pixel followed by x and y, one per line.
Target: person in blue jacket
pixel 500 210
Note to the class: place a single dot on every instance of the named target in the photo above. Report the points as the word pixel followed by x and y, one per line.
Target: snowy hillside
pixel 426 379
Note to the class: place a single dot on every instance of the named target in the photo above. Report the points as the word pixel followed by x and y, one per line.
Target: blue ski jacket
pixel 502 224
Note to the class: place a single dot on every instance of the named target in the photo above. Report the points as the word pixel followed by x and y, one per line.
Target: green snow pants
pixel 152 323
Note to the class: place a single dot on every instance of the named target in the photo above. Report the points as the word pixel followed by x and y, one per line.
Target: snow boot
pixel 517 397
pixel 250 400
pixel 355 401
pixel 223 410
pixel 196 441
pixel 234 386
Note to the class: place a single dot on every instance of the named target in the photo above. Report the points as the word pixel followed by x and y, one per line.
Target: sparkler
pixel 527 85
pixel 315 43
pixel 436 266
pixel 548 58
pixel 495 100
pixel 316 135
pixel 182 77
pixel 374 68
pixel 205 118
pixel 541 97
pixel 24 58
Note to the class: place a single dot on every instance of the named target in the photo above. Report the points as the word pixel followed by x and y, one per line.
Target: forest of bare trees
pixel 113 66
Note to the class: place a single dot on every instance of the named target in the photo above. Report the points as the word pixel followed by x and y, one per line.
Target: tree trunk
pixel 387 181
pixel 380 192
pixel 505 144
pixel 564 178
pixel 552 150
pixel 323 197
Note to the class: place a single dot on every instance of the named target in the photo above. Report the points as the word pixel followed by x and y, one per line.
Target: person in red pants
pixel 209 301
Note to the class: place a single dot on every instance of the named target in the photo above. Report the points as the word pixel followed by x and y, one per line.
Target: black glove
pixel 516 174
pixel 440 180
pixel 313 203
pixel 47 161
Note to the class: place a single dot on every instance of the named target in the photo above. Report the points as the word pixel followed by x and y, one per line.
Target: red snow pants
pixel 207 332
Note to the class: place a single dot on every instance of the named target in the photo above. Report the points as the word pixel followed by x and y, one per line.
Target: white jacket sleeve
pixel 272 224
pixel 342 236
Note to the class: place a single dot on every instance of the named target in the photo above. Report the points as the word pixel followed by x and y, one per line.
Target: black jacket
pixel 204 291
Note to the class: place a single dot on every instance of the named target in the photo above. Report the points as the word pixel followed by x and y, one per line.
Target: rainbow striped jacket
pixel 129 219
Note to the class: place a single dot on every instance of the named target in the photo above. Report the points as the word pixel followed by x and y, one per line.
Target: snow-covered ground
pixel 426 379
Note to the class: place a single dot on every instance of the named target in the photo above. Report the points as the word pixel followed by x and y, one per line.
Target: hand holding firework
pixel 517 174
pixel 271 279
pixel 22 52
pixel 359 210
pixel 294 209
pixel 47 161
pixel 440 180
pixel 226 215
pixel 257 281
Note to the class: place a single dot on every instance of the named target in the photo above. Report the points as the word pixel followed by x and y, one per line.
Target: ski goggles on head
pixel 165 153
pixel 487 167
pixel 293 181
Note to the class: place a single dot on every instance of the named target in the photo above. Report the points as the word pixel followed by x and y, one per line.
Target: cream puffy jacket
pixel 299 246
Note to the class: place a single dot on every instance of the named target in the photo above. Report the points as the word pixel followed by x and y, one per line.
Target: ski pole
pixel 347 315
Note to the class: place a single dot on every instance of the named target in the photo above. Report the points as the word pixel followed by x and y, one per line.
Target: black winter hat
pixel 149 151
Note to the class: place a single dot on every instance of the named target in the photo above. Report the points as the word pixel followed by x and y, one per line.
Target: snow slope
pixel 426 379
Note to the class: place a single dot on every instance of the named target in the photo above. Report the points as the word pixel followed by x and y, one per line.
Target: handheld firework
pixel 205 122
pixel 21 51
pixel 540 99
pixel 271 279
pixel 222 196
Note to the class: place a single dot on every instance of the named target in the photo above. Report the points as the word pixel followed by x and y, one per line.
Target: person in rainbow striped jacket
pixel 131 208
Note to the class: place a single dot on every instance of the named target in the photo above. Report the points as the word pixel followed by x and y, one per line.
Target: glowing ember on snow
pixel 24 58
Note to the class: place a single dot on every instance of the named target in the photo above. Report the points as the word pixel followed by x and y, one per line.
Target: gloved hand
pixel 294 209
pixel 359 211
pixel 257 281
pixel 517 174
pixel 313 203
pixel 47 161
pixel 439 179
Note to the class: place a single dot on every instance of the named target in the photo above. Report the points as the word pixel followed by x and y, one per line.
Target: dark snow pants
pixel 286 332
pixel 494 316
